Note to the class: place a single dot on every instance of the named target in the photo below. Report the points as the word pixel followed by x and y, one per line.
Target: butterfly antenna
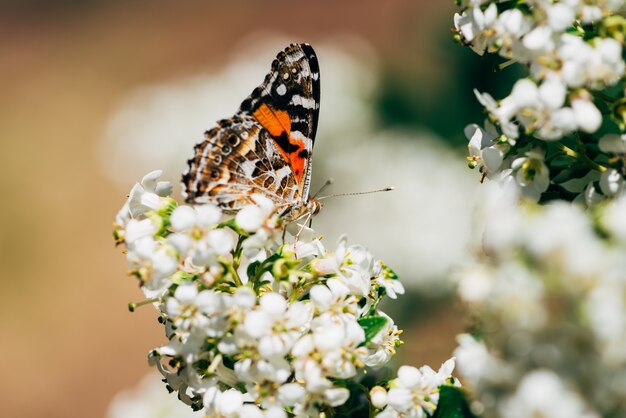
pixel 325 185
pixel 386 189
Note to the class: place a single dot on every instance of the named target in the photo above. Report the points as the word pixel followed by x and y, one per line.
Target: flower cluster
pixel 257 326
pixel 547 291
pixel 414 393
pixel 545 134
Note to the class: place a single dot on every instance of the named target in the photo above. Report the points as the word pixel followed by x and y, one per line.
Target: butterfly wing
pixel 238 158
pixel 287 106
pixel 267 146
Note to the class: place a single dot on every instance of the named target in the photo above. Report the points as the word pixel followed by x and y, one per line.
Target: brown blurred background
pixel 68 342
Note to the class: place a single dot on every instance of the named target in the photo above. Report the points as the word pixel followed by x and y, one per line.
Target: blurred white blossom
pixel 149 399
pixel 547 290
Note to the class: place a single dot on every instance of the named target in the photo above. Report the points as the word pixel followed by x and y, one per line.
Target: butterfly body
pixel 266 147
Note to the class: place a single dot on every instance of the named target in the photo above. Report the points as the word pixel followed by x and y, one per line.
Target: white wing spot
pixel 281 90
pixel 305 102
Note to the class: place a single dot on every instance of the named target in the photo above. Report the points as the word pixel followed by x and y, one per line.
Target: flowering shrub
pixel 262 326
pixel 560 133
pixel 546 286
pixel 547 291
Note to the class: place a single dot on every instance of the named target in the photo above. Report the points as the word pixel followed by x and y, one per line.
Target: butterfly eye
pixel 217 159
pixel 215 174
pixel 233 140
pixel 226 149
pixel 286 76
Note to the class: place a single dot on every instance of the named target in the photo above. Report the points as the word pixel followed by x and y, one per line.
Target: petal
pixel 587 115
pixel 250 218
pixel 149 181
pixel 273 304
pixel 183 218
pixel 222 240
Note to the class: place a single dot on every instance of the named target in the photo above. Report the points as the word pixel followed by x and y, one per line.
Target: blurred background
pixel 94 94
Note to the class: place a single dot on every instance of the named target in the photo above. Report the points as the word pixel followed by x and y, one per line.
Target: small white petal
pixel 229 402
pixel 611 182
pixel 273 303
pixel 336 396
pixel 552 93
pixel 208 215
pixel 291 393
pixel 149 181
pixel 400 399
pixel 258 324
pixel 244 298
pixel 222 240
pixel 321 297
pixel 587 115
pixel 409 376
pixel 564 119
pixel 537 39
pixel 525 93
pixel 183 218
pixel 186 292
pixel 250 218
pixel 560 16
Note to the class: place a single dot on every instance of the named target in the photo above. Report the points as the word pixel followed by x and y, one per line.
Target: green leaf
pixel 372 325
pixel 252 269
pixel 452 403
pixel 562 161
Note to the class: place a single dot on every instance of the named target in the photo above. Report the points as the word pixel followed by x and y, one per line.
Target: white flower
pixel 154 262
pixel 137 229
pixel 474 23
pixel 148 195
pixel 202 216
pixel 560 16
pixel 147 400
pixel 484 152
pixel 229 403
pixel 587 115
pixel 614 218
pixel 251 218
pixel 611 182
pixel 276 324
pixel 532 174
pixel 383 345
pixel 615 144
pixel 192 309
pixel 415 392
pixel 388 280
pixel 354 265
pixel 542 394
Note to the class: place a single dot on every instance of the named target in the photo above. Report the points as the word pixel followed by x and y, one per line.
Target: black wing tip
pixel 304 46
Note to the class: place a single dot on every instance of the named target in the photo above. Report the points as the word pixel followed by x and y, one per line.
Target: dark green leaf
pixel 452 403
pixel 372 325
pixel 252 268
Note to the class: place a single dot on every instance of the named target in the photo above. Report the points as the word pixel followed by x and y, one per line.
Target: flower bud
pixel 378 396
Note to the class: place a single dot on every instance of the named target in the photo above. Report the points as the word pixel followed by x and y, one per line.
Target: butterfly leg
pixel 309 220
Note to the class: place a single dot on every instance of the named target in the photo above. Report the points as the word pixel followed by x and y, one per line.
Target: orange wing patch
pixel 278 124
pixel 275 121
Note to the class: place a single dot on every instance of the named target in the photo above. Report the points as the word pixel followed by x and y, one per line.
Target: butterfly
pixel 266 147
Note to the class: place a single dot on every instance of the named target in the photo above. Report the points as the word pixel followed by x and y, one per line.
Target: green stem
pixel 231 269
pixel 580 156
pixel 133 306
